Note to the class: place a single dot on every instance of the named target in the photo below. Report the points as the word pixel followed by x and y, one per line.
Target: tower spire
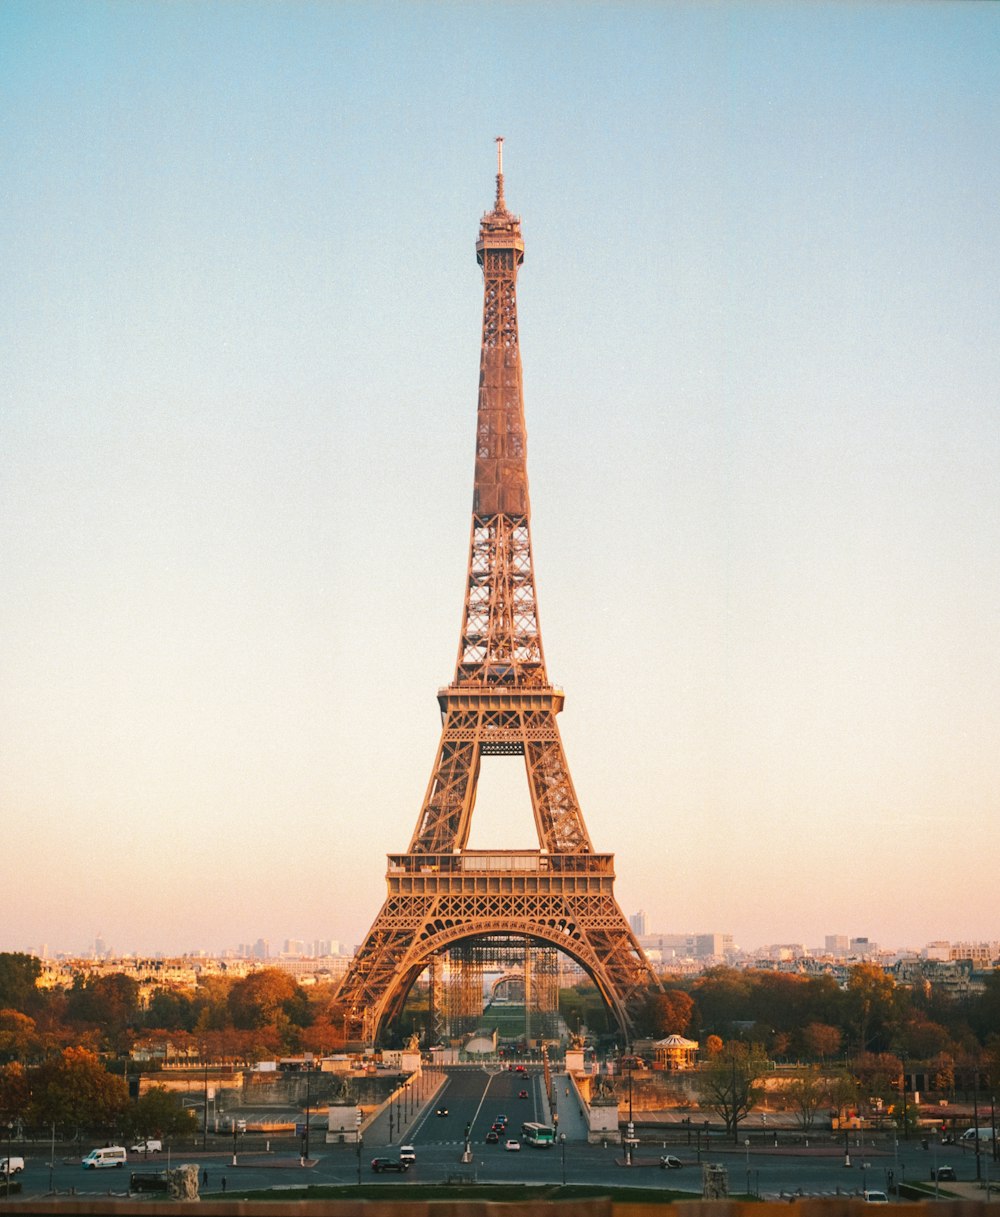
pixel 500 206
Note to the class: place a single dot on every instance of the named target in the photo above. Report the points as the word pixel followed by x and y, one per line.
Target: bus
pixel 542 1135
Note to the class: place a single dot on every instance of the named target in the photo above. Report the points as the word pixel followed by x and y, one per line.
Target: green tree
pixel 158 1113
pixel 19 974
pixel 729 1083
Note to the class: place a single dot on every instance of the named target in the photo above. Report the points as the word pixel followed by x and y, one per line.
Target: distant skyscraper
pixel 262 949
pixel 638 923
pixel 837 944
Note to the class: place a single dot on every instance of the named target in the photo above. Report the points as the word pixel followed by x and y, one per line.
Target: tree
pixel 807 1093
pixel 267 997
pixel 873 1005
pixel 18 1040
pixel 729 1082
pixel 19 974
pixel 822 1040
pixel 74 1090
pixel 667 1012
pixel 15 1092
pixel 111 1001
pixel 158 1113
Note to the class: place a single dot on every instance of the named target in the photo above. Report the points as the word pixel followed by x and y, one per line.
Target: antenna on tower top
pixel 500 204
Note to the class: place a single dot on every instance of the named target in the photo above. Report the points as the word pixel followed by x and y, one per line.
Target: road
pixel 473 1099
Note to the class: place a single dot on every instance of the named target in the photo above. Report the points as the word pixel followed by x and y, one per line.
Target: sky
pixel 239 324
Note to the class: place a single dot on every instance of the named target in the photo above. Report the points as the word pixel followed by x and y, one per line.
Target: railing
pixel 501 862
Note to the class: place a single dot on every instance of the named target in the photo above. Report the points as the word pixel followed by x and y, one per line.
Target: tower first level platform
pixel 435 901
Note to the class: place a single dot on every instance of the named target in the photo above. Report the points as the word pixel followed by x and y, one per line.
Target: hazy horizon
pixel 758 316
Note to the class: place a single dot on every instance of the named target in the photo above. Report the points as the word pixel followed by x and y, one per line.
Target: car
pixel 500 1119
pixel 522 1094
pixel 407 1154
pixel 146 1147
pixel 520 1069
pixel 492 1137
pixel 441 1111
pixel 388 1164
pixel 151 1181
pixel 944 1173
pixel 512 1144
pixel 670 1162
pixel 874 1197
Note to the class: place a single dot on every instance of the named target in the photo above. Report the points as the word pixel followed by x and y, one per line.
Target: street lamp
pixel 562 1148
pixel 360 1139
pixel 746 1145
pixel 305 1141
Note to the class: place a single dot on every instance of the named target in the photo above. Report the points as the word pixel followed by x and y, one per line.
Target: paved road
pixel 474 1098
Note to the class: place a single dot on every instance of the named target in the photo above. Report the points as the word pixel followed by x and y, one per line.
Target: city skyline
pixel 758 313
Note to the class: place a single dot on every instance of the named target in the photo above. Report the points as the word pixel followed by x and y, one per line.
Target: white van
pixel 11 1166
pixel 107 1155
pixel 977 1134
pixel 146 1147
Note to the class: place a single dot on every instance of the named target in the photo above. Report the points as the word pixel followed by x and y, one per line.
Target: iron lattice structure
pixel 500 703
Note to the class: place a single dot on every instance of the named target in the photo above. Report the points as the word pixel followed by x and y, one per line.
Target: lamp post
pixel 204 1123
pixel 360 1139
pixel 305 1142
pixel 746 1146
pixel 562 1149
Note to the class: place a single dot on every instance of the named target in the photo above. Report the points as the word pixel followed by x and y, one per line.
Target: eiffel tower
pixel 500 703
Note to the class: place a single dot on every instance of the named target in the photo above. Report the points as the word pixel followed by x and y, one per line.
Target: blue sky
pixel 240 319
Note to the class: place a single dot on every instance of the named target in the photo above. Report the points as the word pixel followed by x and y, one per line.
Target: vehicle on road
pixel 874 1197
pixel 107 1155
pixel 146 1147
pixel 441 1111
pixel 512 1144
pixel 522 1094
pixel 388 1164
pixel 542 1135
pixel 150 1181
pixel 977 1134
pixel 492 1137
pixel 407 1154
pixel 11 1166
pixel 943 1174
pixel 670 1162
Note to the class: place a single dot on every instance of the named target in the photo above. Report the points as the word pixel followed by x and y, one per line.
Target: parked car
pixel 943 1173
pixel 150 1181
pixel 511 1144
pixel 146 1147
pixel 669 1162
pixel 388 1164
